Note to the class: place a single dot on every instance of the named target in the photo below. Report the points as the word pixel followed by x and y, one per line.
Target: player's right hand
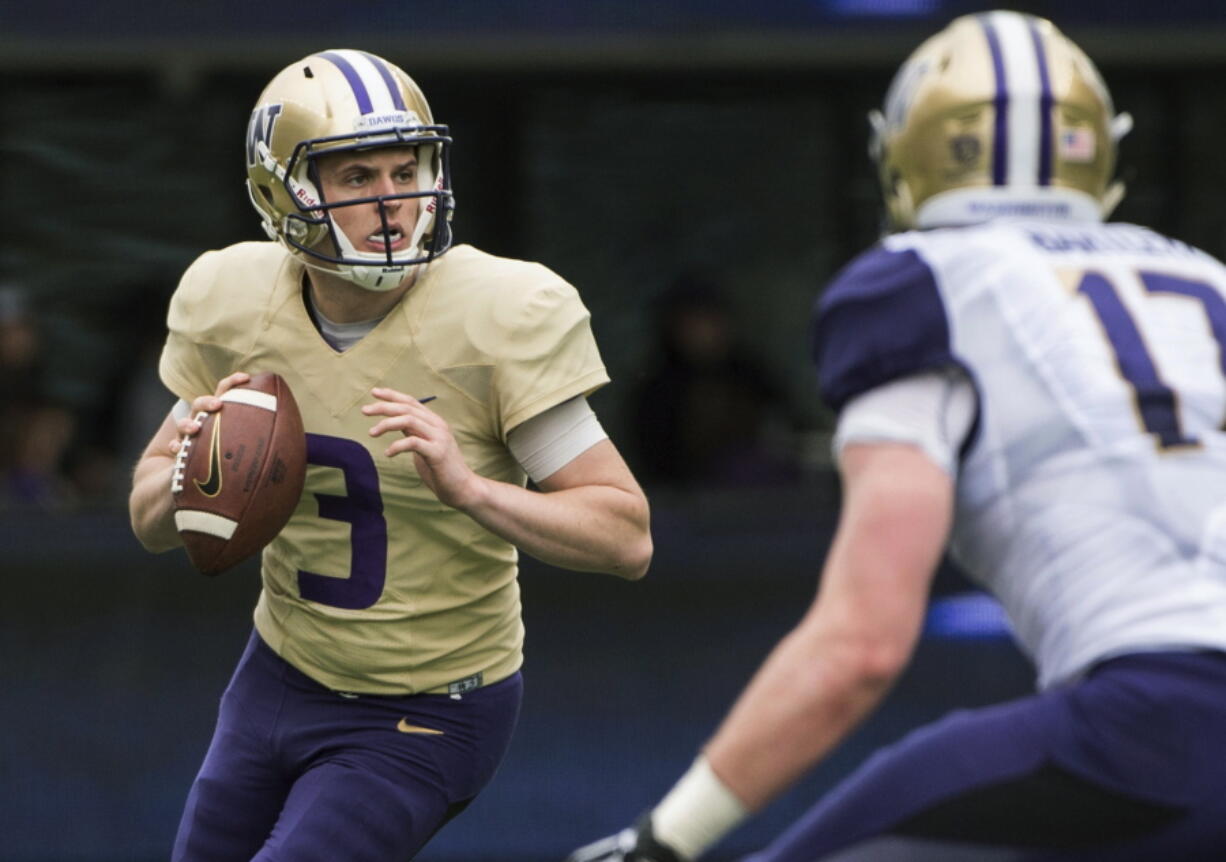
pixel 189 425
pixel 633 844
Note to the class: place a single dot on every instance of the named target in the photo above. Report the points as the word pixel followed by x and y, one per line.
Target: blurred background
pixel 697 168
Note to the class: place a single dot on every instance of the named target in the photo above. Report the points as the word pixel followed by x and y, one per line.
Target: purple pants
pixel 297 772
pixel 1127 764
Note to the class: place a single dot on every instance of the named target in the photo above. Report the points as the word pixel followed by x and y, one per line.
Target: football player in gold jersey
pixel 381 684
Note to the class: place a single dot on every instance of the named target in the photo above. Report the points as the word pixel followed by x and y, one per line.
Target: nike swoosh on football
pixel 404 727
pixel 211 486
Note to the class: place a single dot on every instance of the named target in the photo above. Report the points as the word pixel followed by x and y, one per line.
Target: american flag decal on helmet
pixel 1077 145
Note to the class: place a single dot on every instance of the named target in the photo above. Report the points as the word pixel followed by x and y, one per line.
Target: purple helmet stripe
pixel 354 79
pixel 386 74
pixel 1000 143
pixel 1045 105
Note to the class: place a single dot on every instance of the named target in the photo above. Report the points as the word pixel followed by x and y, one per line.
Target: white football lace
pixel 176 476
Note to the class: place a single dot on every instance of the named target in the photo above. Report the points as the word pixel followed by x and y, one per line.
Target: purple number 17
pixel 1156 402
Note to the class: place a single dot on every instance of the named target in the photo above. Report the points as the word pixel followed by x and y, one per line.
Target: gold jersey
pixel 374 585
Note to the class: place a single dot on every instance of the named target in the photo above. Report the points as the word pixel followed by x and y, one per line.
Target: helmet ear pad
pixel 900 204
pixel 322 229
pixel 1112 197
pixel 899 208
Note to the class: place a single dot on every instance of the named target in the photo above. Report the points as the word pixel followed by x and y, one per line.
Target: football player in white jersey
pixel 381 684
pixel 1045 393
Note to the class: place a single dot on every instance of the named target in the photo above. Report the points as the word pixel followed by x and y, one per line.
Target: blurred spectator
pixel 95 277
pixel 32 434
pixel 707 412
pixel 70 380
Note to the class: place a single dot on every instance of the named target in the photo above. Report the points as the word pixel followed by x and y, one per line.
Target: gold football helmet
pixel 998 114
pixel 337 101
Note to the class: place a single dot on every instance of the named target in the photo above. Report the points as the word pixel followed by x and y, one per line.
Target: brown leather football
pixel 237 482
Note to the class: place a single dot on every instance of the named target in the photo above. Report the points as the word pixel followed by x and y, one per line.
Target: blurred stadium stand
pixel 622 144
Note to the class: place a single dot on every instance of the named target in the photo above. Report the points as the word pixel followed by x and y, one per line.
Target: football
pixel 236 483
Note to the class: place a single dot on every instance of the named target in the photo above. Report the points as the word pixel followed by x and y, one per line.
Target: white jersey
pixel 1091 495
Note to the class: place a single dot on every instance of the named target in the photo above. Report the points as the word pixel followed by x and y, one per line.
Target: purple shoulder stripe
pixel 880 319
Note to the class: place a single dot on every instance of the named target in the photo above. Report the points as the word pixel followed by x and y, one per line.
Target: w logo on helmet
pixel 259 130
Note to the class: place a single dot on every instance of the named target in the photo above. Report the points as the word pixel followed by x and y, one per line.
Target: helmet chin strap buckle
pixel 377 279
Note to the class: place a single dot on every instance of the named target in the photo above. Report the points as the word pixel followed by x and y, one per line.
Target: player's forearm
pixel 808 696
pixel 817 684
pixel 151 506
pixel 594 528
pixel 834 668
pixel 837 664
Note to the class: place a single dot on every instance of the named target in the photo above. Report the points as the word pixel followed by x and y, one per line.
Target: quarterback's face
pixel 369 174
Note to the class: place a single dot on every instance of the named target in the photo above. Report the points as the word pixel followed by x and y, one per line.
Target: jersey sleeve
pixel 880 319
pixel 935 411
pixel 549 353
pixel 200 347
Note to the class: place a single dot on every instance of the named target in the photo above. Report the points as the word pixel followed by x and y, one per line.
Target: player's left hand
pixel 633 844
pixel 427 435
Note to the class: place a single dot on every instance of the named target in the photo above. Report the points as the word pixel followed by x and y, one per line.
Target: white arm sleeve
pixel 933 410
pixel 550 440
